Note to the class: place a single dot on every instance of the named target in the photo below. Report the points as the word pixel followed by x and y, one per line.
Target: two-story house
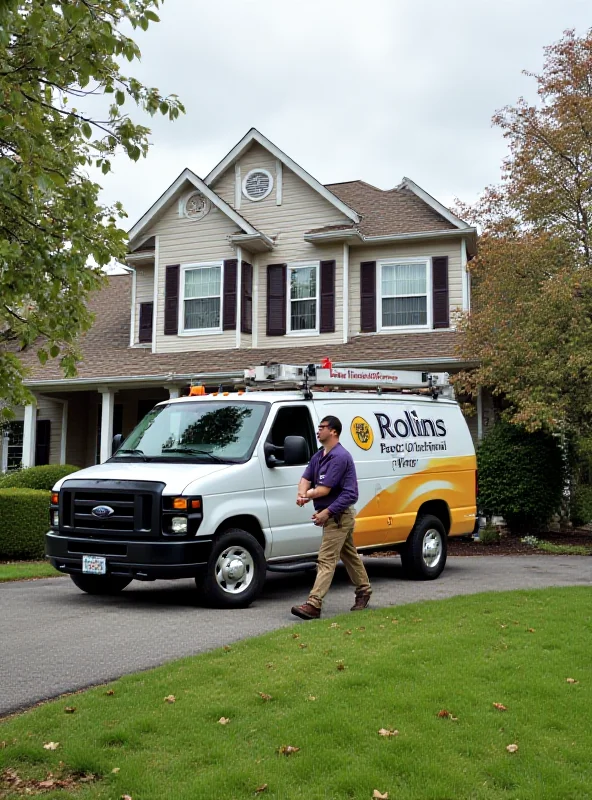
pixel 258 261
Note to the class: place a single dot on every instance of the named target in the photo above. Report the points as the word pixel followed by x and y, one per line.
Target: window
pixel 303 306
pixel 403 295
pixel 292 421
pixel 201 306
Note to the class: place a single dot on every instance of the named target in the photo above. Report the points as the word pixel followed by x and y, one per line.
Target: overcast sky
pixel 350 89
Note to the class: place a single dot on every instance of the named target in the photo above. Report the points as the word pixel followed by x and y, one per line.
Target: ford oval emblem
pixel 102 511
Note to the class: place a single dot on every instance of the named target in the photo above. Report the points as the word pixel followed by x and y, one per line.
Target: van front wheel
pixel 424 554
pixel 235 573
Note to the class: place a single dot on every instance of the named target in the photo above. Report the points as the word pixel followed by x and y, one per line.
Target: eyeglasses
pixel 323 426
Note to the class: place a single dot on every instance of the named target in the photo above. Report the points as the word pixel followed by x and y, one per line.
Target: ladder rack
pixel 327 377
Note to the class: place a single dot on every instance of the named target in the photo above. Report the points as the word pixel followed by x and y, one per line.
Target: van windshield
pixel 198 432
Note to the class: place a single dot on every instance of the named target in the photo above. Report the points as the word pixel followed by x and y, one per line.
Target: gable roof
pixel 255 136
pixel 187 176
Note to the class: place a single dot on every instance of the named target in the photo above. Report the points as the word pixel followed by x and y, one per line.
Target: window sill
pixel 205 332
pixel 394 331
pixel 297 334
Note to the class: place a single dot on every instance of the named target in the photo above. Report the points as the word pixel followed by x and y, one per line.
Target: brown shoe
pixel 361 603
pixel 306 611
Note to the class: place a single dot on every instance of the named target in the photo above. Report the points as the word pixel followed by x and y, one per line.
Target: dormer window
pixel 257 184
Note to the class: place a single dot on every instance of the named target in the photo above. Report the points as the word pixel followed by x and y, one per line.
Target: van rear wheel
pixel 100 584
pixel 424 554
pixel 235 573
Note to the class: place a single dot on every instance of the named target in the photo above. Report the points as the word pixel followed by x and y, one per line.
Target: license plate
pixel 95 565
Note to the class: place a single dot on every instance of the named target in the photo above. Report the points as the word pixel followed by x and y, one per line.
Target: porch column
pixel 29 435
pixel 173 391
pixel 4 451
pixel 107 407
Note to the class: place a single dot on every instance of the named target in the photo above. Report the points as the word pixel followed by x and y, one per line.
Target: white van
pixel 205 486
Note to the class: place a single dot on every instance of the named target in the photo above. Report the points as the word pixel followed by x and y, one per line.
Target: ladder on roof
pixel 326 376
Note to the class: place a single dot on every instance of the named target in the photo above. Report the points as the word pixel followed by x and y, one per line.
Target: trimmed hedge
pixel 581 505
pixel 521 476
pixel 24 521
pixel 44 477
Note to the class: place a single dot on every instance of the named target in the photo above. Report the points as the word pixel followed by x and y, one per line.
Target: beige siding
pixel 144 293
pixel 187 241
pixel 302 209
pixel 415 250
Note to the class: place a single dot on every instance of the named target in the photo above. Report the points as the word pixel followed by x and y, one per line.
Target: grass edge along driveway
pixel 426 675
pixel 26 570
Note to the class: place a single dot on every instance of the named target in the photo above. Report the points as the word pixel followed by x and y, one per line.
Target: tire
pixel 99 584
pixel 424 554
pixel 235 573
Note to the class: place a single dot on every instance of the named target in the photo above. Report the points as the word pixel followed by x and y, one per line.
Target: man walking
pixel 330 482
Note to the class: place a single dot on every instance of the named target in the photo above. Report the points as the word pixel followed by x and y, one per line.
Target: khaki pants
pixel 338 542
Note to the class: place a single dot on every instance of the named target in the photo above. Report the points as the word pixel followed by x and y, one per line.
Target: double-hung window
pixel 403 297
pixel 201 305
pixel 303 298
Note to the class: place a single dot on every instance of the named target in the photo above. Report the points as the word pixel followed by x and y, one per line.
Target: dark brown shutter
pixel 246 298
pixel 171 301
pixel 327 297
pixel 368 296
pixel 440 292
pixel 145 327
pixel 229 304
pixel 276 299
pixel 42 442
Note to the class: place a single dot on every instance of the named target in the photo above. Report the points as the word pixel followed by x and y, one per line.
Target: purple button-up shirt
pixel 336 470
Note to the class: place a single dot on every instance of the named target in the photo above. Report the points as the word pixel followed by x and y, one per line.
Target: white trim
pixel 206 209
pixel 464 275
pixel 187 176
pixel 387 262
pixel 279 184
pixel 237 186
pixel 64 437
pixel 290 268
pixel 29 434
pixel 254 136
pixel 269 188
pixel 239 275
pixel 249 238
pixel 329 236
pixel 345 273
pixel 155 294
pixel 407 183
pixel 255 304
pixel 107 414
pixel 133 311
pixel 182 331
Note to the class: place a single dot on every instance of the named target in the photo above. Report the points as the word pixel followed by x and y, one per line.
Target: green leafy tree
pixel 530 327
pixel 59 61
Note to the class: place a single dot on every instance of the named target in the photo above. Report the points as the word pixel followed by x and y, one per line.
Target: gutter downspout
pixel 155 297
pixel 239 286
pixel 133 309
pixel 345 292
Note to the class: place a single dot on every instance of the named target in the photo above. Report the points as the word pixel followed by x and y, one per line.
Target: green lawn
pixel 23 570
pixel 333 685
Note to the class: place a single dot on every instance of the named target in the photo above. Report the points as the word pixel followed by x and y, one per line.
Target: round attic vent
pixel 257 184
pixel 196 206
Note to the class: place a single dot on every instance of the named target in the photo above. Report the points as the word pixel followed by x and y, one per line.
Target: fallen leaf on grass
pixel 302 646
pixel 311 697
pixel 69 709
pixel 287 750
pixel 334 625
pixel 51 745
pixel 530 630
pixel 387 732
pixel 347 633
pixel 361 628
pixel 170 698
pixel 224 720
pixel 48 784
pixel 503 626
pixel 395 621
pixel 261 789
pixel 512 748
pixel 500 707
pixel 110 692
pixel 126 797
pixel 295 636
pixel 115 770
pixel 382 626
pixel 2 745
pixel 227 648
pixel 571 680
pixel 376 795
pixel 270 665
pixel 444 713
pixel 340 665
pixel 264 696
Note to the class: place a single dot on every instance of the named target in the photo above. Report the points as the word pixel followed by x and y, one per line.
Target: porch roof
pixel 107 356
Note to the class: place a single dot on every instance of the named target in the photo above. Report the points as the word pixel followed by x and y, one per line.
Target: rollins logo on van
pixel 409 425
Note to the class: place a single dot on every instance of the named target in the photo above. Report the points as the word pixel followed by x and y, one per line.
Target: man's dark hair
pixel 333 423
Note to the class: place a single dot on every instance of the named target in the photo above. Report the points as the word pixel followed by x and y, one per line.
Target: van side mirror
pixel 116 443
pixel 295 450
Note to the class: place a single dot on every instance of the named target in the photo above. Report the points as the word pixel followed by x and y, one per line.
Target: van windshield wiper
pixel 133 452
pixel 193 451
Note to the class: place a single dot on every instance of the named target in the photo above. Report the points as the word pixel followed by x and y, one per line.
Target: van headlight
pixel 179 525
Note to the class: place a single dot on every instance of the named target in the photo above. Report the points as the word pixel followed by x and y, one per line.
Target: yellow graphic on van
pixel 362 433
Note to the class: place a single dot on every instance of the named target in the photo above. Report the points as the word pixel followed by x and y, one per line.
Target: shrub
pixel 24 516
pixel 44 477
pixel 489 534
pixel 521 476
pixel 581 505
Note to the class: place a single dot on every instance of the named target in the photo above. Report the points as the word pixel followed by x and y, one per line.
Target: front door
pixel 293 531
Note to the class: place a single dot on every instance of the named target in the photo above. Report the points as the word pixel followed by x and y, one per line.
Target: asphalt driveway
pixel 55 639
